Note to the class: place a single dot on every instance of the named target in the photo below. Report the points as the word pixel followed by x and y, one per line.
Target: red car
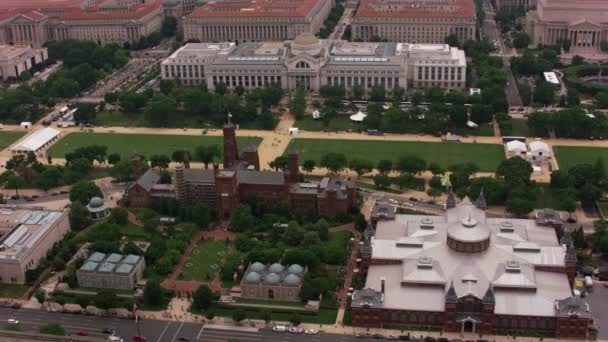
pixel 138 337
pixel 83 333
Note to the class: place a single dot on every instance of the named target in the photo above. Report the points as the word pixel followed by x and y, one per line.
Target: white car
pixel 279 328
pixel 115 339
pixel 296 330
pixel 13 321
pixel 311 332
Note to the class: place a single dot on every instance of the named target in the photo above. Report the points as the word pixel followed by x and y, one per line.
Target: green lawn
pixel 144 144
pixel 339 123
pixel 132 231
pixel 546 197
pixel 269 302
pixel 520 128
pixel 12 290
pixel 7 138
pixel 568 156
pixel 486 156
pixel 204 261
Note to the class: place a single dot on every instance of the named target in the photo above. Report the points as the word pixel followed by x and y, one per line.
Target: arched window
pixel 302 65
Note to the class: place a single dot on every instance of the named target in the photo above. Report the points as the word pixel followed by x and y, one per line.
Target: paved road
pixel 157 331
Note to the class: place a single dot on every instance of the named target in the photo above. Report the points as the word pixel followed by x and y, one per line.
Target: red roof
pixel 256 8
pixel 417 9
pixel 33 14
pixel 72 10
pixel 39 4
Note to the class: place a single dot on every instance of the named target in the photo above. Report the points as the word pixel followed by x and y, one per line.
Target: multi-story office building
pixel 26 235
pixel 466 272
pixel 311 63
pixel 255 20
pixel 581 22
pixel 104 21
pixel 414 21
pixel 15 59
pixel 515 4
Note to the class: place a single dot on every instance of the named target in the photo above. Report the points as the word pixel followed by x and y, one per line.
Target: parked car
pixel 13 321
pixel 138 337
pixel 363 335
pixel 83 333
pixel 296 330
pixel 311 332
pixel 107 331
pixel 392 337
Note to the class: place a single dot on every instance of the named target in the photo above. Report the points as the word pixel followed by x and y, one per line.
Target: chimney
pixel 216 169
pixel 136 166
pixel 186 160
pixel 382 281
pixel 293 166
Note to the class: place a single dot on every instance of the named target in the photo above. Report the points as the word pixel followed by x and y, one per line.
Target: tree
pixel 601 100
pixel 166 86
pixel 179 156
pixel 335 162
pixel 521 40
pixel 360 222
pixel 105 299
pixel 153 294
pixel 207 154
pixel 119 216
pixel 520 206
pixel 239 90
pixel 279 163
pixel 358 91
pixel 295 319
pixel 298 104
pixel 239 315
pixel 382 181
pixel 309 165
pixel 544 93
pixel 241 219
pixel 131 248
pixel 201 215
pixel 433 192
pixel 49 178
pixel 209 315
pixel 169 26
pixel 578 60
pixel 159 109
pixel 385 166
pixel 221 88
pixel 398 93
pixel 515 171
pixel 561 179
pixel 267 316
pixel 411 164
pixel 452 40
pixel 361 166
pixel 436 169
pixel 160 160
pixel 83 191
pixel 203 297
pixel 113 158
pixel 377 93
pixel 40 295
pixel 79 216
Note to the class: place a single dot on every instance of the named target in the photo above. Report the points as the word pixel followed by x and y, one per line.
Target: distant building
pixel 274 282
pixel 382 212
pixel 255 20
pixel 580 22
pixel 15 60
pixel 466 272
pixel 26 237
pixel 37 142
pixel 241 180
pixel 103 21
pixel 312 63
pixel 98 209
pixel 414 21
pixel 111 271
pixel 515 4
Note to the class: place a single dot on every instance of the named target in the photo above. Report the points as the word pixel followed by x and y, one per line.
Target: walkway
pixel 351 265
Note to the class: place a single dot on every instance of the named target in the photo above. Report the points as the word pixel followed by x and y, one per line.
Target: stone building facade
pixel 104 21
pixel 415 21
pixel 15 60
pixel 241 180
pixel 274 282
pixel 514 4
pixel 581 22
pixel 111 271
pixel 255 20
pixel 312 63
pixel 26 235
pixel 466 272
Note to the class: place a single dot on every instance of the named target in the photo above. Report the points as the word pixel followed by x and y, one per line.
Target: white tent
pixel 294 130
pixel 36 141
pixel 516 147
pixel 471 124
pixel 540 149
pixel 359 117
pixel 26 124
pixel 316 114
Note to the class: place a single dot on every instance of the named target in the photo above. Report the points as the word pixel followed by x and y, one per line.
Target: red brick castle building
pixel 241 179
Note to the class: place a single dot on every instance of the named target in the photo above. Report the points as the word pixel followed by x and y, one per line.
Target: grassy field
pixel 204 261
pixel 339 123
pixel 520 128
pixel 487 156
pixel 132 231
pixel 568 156
pixel 7 138
pixel 12 290
pixel 144 144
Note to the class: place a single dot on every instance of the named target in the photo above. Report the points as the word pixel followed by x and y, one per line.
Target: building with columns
pixel 15 59
pixel 414 21
pixel 466 272
pixel 312 63
pixel 514 4
pixel 581 22
pixel 255 20
pixel 103 21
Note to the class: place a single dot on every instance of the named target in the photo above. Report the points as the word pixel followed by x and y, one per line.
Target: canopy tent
pixel 316 114
pixel 471 124
pixel 516 146
pixel 359 117
pixel 36 140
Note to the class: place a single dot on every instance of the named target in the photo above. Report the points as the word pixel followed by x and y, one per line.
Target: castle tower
pixel 181 187
pixel 293 166
pixel 451 301
pixel 487 313
pixel 231 153
pixel 250 155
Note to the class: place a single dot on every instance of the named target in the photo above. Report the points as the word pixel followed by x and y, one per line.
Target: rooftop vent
pixel 409 242
pixel 425 262
pixel 426 223
pixel 506 227
pixel 512 266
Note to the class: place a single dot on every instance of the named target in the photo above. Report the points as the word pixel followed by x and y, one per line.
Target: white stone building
pixel 311 63
pixel 16 59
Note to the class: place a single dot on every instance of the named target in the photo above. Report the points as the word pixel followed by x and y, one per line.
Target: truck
pixel 588 282
pixel 374 132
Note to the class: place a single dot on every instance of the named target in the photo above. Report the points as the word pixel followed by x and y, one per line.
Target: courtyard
pixel 144 144
pixel 486 156
pixel 205 261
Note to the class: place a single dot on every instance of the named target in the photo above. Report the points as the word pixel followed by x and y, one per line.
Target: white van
pixel 280 328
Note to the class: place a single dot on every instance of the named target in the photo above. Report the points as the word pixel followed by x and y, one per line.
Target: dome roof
pixel 95 202
pixel 468 230
pixel 292 279
pixel 257 267
pixel 276 268
pixel 253 277
pixel 306 38
pixel 272 278
pixel 295 269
